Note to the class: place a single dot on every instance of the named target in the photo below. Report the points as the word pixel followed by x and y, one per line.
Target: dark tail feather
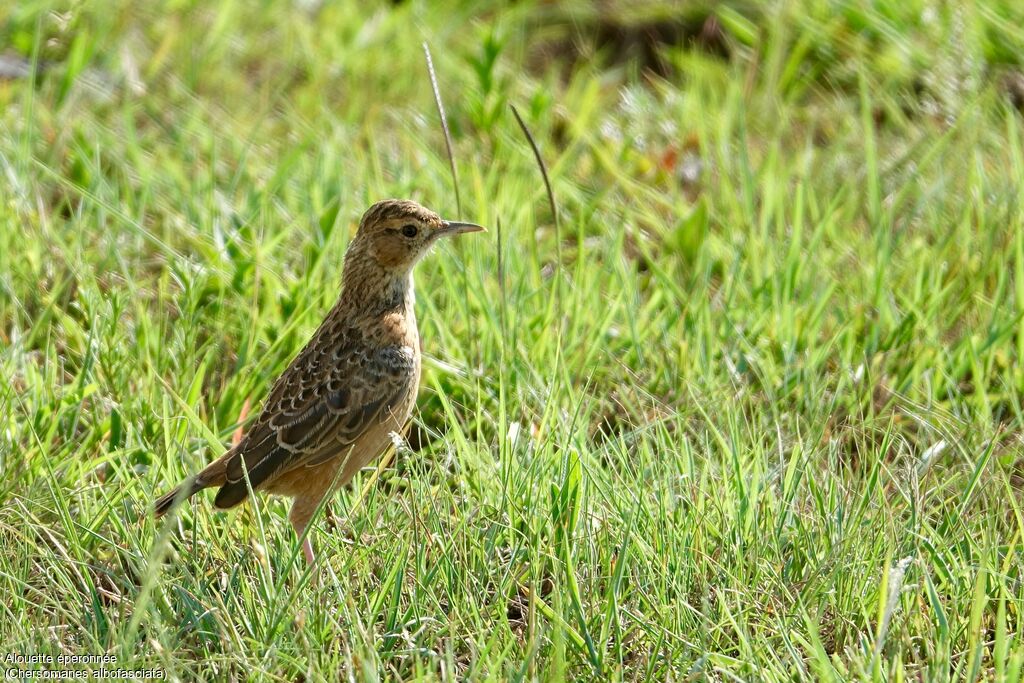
pixel 231 494
pixel 180 493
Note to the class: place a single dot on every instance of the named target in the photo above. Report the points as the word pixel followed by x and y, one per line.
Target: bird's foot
pixel 331 521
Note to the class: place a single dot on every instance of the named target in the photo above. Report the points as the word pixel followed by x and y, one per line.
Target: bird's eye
pixel 409 230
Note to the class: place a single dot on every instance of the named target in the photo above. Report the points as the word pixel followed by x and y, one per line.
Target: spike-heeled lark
pixel 334 408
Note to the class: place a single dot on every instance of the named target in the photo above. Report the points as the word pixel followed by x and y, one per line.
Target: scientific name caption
pixel 19 667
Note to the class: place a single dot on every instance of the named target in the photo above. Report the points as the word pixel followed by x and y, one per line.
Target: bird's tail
pixel 179 494
pixel 212 475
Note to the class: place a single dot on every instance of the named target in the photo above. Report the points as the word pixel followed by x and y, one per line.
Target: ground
pixel 750 408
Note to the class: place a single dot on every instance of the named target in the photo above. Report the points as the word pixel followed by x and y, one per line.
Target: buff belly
pixel 315 481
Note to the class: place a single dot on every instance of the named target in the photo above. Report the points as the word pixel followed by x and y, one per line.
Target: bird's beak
pixel 457 228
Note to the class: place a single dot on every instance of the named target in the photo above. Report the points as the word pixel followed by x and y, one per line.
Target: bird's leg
pixel 299 517
pixel 331 520
pixel 307 545
pixel 307 550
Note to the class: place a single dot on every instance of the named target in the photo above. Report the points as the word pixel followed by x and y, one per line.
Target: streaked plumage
pixel 354 384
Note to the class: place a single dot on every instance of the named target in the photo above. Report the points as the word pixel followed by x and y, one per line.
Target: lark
pixel 336 406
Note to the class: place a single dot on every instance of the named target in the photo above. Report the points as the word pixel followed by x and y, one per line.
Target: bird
pixel 336 406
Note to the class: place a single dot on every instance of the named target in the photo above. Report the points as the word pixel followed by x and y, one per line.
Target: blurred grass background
pixel 753 412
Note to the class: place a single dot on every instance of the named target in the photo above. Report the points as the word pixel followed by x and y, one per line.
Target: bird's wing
pixel 318 408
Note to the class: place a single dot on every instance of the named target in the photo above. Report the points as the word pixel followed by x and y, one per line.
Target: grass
pixel 754 412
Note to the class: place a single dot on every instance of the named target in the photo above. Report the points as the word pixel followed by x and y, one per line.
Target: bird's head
pixel 396 233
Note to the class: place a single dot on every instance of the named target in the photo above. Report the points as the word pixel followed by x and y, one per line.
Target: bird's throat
pixel 398 294
pixel 379 293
